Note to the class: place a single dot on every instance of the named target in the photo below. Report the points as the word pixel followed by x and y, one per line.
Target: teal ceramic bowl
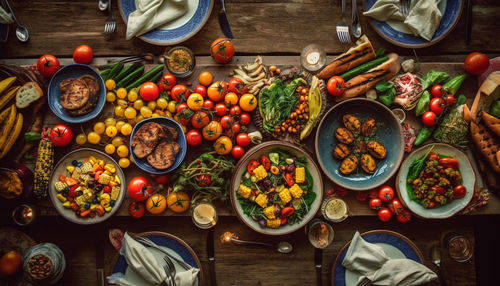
pixel 389 133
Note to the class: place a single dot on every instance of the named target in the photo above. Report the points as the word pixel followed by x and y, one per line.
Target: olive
pixel 95 201
pixel 112 203
pixel 74 163
pixel 262 223
pixel 277 210
pixel 290 168
pixel 79 164
pixel 87 206
pixel 267 183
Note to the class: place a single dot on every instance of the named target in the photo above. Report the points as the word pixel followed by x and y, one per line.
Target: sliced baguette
pixel 28 93
pixel 491 122
pixel 486 144
pixel 367 80
pixel 487 93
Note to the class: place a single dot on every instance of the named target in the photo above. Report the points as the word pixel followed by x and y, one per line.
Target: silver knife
pixel 211 256
pixel 224 23
pixel 318 263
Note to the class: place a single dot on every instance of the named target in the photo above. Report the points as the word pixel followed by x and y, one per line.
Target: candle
pixel 313 57
pixel 24 214
pixel 204 215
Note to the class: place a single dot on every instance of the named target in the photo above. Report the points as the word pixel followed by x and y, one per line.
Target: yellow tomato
pixel 216 91
pixel 139 118
pixel 99 127
pixel 138 104
pixel 155 115
pixel 122 151
pixel 126 129
pixel 205 78
pixel 161 103
pixel 110 121
pixel 81 139
pixel 156 204
pixel 195 101
pixel 117 141
pixel 172 105
pixel 124 162
pixel 119 111
pixel 110 84
pixel 231 99
pixel 146 112
pixel 111 131
pixel 130 113
pixel 119 124
pixel 110 149
pixel 132 95
pixel 93 138
pixel 122 103
pixel 223 145
pixel 110 96
pixel 151 105
pixel 248 102
pixel 121 93
pixel 168 114
pixel 178 202
pixel 212 130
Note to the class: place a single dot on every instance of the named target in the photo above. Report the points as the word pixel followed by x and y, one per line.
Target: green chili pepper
pixel 495 109
pixel 32 136
pixel 388 97
pixel 454 84
pixel 424 133
pixel 423 103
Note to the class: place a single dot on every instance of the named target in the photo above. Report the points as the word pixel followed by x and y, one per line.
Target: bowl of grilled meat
pixel 158 145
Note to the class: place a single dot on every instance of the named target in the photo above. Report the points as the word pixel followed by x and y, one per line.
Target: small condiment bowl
pixel 166 58
pixel 325 213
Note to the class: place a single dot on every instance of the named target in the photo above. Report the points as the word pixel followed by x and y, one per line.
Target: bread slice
pixel 487 93
pixel 486 144
pixel 491 122
pixel 28 93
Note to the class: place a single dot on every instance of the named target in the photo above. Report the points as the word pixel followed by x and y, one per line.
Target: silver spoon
pixel 103 5
pixel 436 259
pixel 356 25
pixel 282 247
pixel 21 31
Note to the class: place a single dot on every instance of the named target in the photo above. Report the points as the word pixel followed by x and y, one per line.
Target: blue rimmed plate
pixel 395 34
pixel 395 245
pixel 170 243
pixel 178 30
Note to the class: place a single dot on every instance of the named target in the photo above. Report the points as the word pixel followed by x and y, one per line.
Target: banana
pixel 6 83
pixel 8 95
pixel 4 115
pixel 13 136
pixel 8 124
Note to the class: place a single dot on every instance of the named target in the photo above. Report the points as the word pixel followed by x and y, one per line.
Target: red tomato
pixel 237 86
pixel 235 110
pixel 245 118
pixel 200 119
pixel 204 180
pixel 385 193
pixel 201 90
pixel 335 86
pixel 222 50
pixel 429 118
pixel 459 191
pixel 184 113
pixel 252 165
pixel 167 81
pixel 289 179
pixel 450 99
pixel 61 135
pixel 179 93
pixel 163 179
pixel 373 194
pixel 384 214
pixel 264 160
pixel 221 109
pixel 476 63
pixel 433 155
pixel 208 104
pixel 341 191
pixel 395 206
pixel 83 54
pixel 47 65
pixel 136 209
pixel 287 211
pixel 375 204
pixel 362 196
pixel 139 189
pixel 404 216
pixel 438 189
pixel 437 90
pixel 226 121
pixel 448 162
pixel 243 139
pixel 236 128
pixel 193 137
pixel 229 133
pixel 437 105
pixel 237 151
pixel 149 91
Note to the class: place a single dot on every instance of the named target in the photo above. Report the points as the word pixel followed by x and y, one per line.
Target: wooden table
pixel 260 27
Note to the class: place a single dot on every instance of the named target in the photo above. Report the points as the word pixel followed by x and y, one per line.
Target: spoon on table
pixel 436 259
pixel 103 5
pixel 282 247
pixel 21 31
pixel 356 25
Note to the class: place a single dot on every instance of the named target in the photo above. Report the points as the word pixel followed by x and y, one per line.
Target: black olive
pixel 267 183
pixel 262 223
pixel 290 168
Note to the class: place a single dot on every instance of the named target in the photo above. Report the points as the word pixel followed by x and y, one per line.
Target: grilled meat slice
pixel 164 155
pixel 146 139
pixel 171 133
pixel 349 165
pixel 351 122
pixel 74 93
pixel 369 127
pixel 87 108
pixel 344 135
pixel 92 83
pixel 368 164
pixel 341 151
pixel 376 149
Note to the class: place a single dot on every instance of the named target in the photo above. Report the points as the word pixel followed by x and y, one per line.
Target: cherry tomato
pixel 373 194
pixel 264 160
pixel 287 211
pixel 459 191
pixel 149 91
pixel 61 135
pixel 237 151
pixel 449 163
pixel 47 65
pixel 204 180
pixel 162 179
pixel 289 179
pixel 205 78
pixel 136 209
pixel 375 204
pixel 226 121
pixel 139 189
pixel 450 99
pixel 362 196
pixel 235 110
pixel 437 90
pixel 243 139
pixel 429 118
pixel 404 216
pixel 200 119
pixel 221 109
pixel 237 86
pixel 184 113
pixel 212 131
pixel 193 137
pixel 201 90
pixel 83 54
pixel 245 118
pixel 433 156
pixel 223 145
pixel 217 90
pixel 437 105
pixel 385 193
pixel 179 93
pixel 167 82
pixel 222 50
pixel 208 104
pixel 335 86
pixel 248 102
pixel 236 128
pixel 395 206
pixel 476 63
pixel 229 132
pixel 231 99
pixel 252 165
pixel 438 189
pixel 384 214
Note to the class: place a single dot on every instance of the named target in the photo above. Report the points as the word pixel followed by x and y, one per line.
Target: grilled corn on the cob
pixel 43 166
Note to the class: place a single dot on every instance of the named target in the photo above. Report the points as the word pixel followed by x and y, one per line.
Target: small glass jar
pixel 204 215
pixel 24 214
pixel 334 209
pixel 459 247
pixel 319 233
pixel 313 57
pixel 180 61
pixel 44 264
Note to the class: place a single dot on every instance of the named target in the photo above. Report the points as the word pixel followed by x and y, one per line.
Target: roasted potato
pixel 360 146
pixel 376 149
pixel 369 127
pixel 341 151
pixel 349 165
pixel 368 164
pixel 344 135
pixel 351 122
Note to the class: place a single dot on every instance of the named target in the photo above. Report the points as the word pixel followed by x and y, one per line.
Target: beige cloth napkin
pixel 371 261
pixel 151 14
pixel 144 262
pixel 422 20
pixel 5 18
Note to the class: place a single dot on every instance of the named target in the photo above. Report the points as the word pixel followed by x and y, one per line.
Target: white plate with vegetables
pixel 276 188
pixel 436 188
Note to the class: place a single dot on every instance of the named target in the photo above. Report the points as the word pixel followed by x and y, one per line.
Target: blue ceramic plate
pixel 395 245
pixel 181 140
pixel 452 11
pixel 178 30
pixel 170 243
pixel 389 133
pixel 74 71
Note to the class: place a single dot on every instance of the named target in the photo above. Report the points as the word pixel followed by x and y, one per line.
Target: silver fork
pixel 110 25
pixel 172 269
pixel 169 280
pixel 404 7
pixel 365 282
pixel 342 27
pixel 148 242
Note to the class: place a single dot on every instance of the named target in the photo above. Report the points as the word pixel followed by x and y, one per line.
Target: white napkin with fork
pixel 151 14
pixel 142 261
pixel 423 18
pixel 370 261
pixel 5 18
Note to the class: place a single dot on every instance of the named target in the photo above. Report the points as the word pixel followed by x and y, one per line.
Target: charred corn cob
pixel 261 200
pixel 296 191
pixel 260 172
pixel 300 175
pixel 244 191
pixel 269 212
pixel 44 164
pixel 86 167
pixel 273 223
pixel 285 196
